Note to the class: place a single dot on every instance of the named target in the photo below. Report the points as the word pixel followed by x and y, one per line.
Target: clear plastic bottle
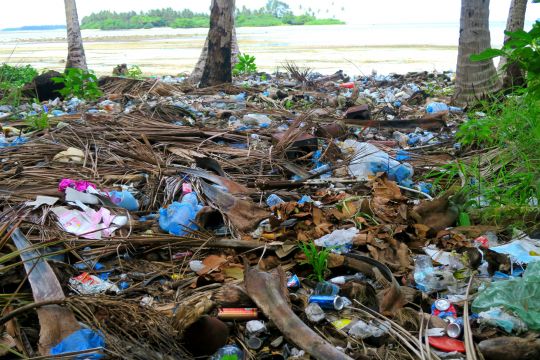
pixel 424 273
pixel 326 288
pixel 436 107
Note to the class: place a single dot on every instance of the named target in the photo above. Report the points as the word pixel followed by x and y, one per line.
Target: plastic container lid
pixel 447 344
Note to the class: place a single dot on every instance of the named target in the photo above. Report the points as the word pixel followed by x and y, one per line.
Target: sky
pixel 17 13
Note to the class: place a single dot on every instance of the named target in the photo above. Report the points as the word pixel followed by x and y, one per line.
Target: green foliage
pixel 38 122
pixel 80 83
pixel 246 65
pixel 522 48
pixel 436 89
pixel 134 72
pixel 288 104
pixel 318 259
pixel 274 13
pixel 17 75
pixel 12 80
pixel 324 22
pixel 188 23
pixel 505 173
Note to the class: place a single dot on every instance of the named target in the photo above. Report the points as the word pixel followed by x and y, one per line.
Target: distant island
pixel 275 13
pixel 36 27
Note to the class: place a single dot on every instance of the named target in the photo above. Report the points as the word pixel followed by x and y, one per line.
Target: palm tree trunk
pixel 76 57
pixel 218 66
pixel 512 75
pixel 474 80
pixel 197 72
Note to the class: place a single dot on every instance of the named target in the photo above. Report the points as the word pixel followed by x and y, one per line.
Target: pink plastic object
pixel 79 185
pixel 186 188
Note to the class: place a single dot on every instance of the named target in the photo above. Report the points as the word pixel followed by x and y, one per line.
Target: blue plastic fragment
pixel 124 199
pixel 403 155
pixel 305 199
pixel 80 340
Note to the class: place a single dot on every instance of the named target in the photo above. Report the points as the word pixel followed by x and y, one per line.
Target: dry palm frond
pixel 297 128
pixel 137 87
pixel 301 75
pixel 135 332
pixel 412 345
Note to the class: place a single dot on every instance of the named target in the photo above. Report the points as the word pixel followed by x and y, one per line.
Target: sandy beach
pixel 354 48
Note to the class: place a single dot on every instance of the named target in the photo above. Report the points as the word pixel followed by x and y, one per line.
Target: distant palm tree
pixel 76 57
pixel 474 80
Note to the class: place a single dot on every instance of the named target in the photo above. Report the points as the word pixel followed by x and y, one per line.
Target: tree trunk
pixel 513 75
pixel 197 72
pixel 474 80
pixel 218 65
pixel 76 57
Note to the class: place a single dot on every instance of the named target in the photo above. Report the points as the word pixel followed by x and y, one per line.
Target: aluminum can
pixel 293 282
pixel 455 328
pixel 328 302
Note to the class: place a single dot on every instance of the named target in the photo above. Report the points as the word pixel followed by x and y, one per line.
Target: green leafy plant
pixel 134 72
pixel 318 259
pixel 522 48
pixel 80 83
pixel 12 80
pixel 288 104
pixel 246 65
pixel 38 122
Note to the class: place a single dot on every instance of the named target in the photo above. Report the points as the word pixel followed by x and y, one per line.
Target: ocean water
pixel 355 49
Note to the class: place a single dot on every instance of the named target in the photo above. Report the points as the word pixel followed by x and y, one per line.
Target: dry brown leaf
pixel 212 262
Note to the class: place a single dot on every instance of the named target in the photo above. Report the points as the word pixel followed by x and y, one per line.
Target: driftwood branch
pixel 268 290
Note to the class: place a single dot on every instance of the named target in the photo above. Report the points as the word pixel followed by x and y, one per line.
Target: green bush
pixel 195 22
pixel 80 83
pixel 12 79
pixel 17 75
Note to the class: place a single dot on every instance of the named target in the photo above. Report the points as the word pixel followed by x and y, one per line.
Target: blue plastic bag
pixel 179 217
pixel 80 340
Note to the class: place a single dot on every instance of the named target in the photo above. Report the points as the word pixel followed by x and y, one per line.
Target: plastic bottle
pixel 340 280
pixel 437 107
pixel 260 120
pixel 229 352
pixel 424 273
pixel 326 288
pixel 368 160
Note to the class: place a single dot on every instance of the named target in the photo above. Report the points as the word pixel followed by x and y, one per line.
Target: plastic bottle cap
pixel 254 343
pixel 442 304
